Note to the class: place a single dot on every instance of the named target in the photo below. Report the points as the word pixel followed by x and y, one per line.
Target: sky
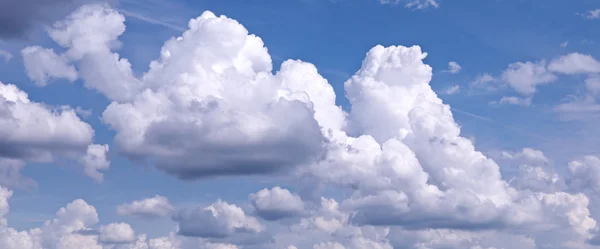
pixel 299 124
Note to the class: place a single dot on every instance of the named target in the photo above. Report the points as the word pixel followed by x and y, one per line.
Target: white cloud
pixel 31 138
pixel 276 203
pixel 536 178
pixel 65 231
pixel 95 159
pixel 90 33
pixel 6 55
pixel 76 241
pixel 162 243
pixel 512 100
pixel 422 4
pixel 585 174
pixel 416 4
pixel 154 207
pixel 116 233
pixel 485 81
pixel 527 154
pixel 564 44
pixel 591 14
pixel 221 246
pixel 71 229
pixel 578 108
pixel 43 65
pixel 524 77
pixel 10 174
pixel 452 90
pixel 219 220
pixel 585 105
pixel 224 126
pixel 35 132
pixel 328 245
pixel 575 63
pixel 453 67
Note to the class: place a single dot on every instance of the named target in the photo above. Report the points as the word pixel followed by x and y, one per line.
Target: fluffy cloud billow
pixel 35 132
pixel 211 106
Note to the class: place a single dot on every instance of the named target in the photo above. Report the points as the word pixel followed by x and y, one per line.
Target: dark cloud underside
pixel 18 17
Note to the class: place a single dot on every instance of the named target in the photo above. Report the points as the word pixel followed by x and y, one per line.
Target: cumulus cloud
pixel 453 67
pixel 94 160
pixel 524 77
pixel 33 131
pixel 219 220
pixel 276 203
pixel 43 65
pixel 154 207
pixel 527 154
pixel 116 233
pixel 575 63
pixel 36 132
pixel 328 245
pixel 585 173
pixel 10 174
pixel 238 118
pixel 71 229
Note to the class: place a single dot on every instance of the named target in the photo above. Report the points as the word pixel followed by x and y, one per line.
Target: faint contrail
pixel 528 133
pixel 144 18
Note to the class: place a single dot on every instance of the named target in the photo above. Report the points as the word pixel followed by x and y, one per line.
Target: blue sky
pixel 481 37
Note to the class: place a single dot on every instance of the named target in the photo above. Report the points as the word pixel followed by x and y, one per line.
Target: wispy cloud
pixel 504 126
pixel 144 18
pixel 168 14
pixel 591 14
pixel 453 67
pixel 513 100
pixel 578 108
pixel 452 90
pixel 6 55
pixel 416 4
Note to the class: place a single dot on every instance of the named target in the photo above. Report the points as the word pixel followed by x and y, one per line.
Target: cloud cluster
pixel 526 77
pixel 210 106
pixel 72 228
